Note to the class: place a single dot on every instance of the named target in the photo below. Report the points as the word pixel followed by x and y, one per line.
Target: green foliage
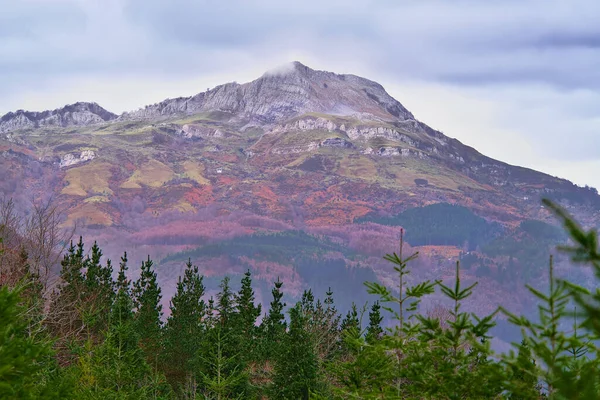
pixel 374 330
pixel 99 291
pixel 225 304
pixel 542 231
pixel 273 325
pixel 307 254
pixel 296 365
pixel 523 375
pixel 351 320
pixel 22 354
pixel 568 360
pixel 223 375
pixel 277 247
pixel 184 328
pixel 146 298
pixel 365 370
pixel 457 356
pixel 408 297
pixel 441 224
pixel 247 313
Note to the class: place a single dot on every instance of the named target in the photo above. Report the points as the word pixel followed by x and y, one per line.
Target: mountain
pixel 286 92
pixel 78 114
pixel 300 174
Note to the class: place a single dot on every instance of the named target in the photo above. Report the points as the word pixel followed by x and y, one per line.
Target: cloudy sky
pixel 519 80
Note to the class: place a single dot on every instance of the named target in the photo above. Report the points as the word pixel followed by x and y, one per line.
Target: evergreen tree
pixel 273 325
pixel 223 374
pixel 307 304
pixel 147 296
pixel 331 323
pixel 411 295
pixel 212 318
pixel 122 309
pixel 225 303
pixel 457 356
pixel 117 367
pixel 66 318
pixel 296 366
pixel 364 370
pixel 322 323
pixel 226 339
pixel 374 330
pixel 99 291
pixel 564 373
pixel 351 321
pixel 247 312
pixel 25 357
pixel 523 375
pixel 184 328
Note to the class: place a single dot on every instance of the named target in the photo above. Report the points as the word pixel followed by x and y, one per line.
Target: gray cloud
pixel 468 42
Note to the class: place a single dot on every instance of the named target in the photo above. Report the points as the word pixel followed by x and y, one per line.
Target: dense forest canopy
pixel 441 224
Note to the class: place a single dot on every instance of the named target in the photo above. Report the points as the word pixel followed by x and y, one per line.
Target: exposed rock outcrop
pixel 363 132
pixel 192 130
pixel 337 142
pixel 285 93
pixel 71 159
pixel 78 114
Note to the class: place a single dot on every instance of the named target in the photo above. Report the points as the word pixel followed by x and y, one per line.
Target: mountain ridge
pixel 76 114
pixel 293 90
pixel 286 104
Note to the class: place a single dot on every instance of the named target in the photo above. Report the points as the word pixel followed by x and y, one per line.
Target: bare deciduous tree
pixel 38 234
pixel 47 239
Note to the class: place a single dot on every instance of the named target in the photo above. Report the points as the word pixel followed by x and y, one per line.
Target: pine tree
pixel 223 374
pixel 122 309
pixel 184 329
pixel 24 356
pixel 349 328
pixel 322 323
pixel 147 296
pixel 226 338
pixel 274 325
pixel 225 304
pixel 307 303
pixel 331 322
pixel 563 374
pixel 411 295
pixel 456 356
pixel 296 366
pixel 351 321
pixel 116 368
pixel 374 330
pixel 247 312
pixel 523 375
pixel 98 291
pixel 66 318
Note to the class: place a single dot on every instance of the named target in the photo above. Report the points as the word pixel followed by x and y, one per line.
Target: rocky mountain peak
pixel 77 114
pixel 281 93
pixel 284 92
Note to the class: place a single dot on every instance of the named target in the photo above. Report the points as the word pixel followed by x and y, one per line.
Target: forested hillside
pixel 91 336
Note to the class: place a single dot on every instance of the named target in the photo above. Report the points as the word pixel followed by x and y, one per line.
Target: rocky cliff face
pixel 290 91
pixel 77 114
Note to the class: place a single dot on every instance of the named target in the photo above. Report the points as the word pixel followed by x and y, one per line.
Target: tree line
pixel 100 337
